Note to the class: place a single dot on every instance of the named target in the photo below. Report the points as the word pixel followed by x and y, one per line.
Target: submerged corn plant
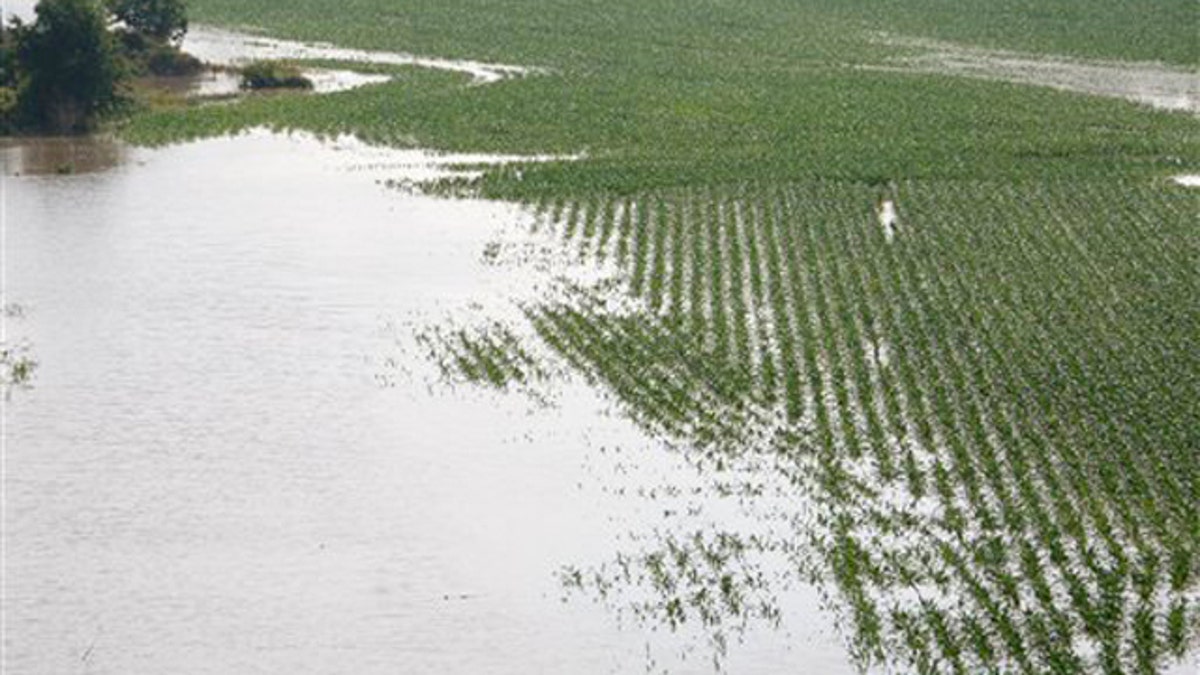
pixel 959 314
pixel 970 514
pixel 17 364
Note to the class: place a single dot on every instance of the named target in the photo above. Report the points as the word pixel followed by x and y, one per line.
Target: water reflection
pixel 39 156
pixel 207 83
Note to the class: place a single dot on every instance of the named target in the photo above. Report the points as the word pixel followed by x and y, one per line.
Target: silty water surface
pixel 233 459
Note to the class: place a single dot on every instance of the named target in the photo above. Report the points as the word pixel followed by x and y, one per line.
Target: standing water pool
pixel 233 460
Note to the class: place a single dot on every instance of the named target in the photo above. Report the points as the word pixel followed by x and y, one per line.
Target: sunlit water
pixel 232 460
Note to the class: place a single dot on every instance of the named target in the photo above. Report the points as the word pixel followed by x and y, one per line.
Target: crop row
pixel 995 399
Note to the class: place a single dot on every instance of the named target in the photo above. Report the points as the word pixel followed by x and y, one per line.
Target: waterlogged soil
pixel 1153 84
pixel 235 457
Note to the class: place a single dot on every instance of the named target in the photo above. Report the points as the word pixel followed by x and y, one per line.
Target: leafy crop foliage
pixel 993 410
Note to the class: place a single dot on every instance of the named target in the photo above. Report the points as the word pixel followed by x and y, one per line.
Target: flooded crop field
pixel 237 458
pixel 617 337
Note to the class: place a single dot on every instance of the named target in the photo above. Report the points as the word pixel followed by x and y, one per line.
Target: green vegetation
pixel 993 411
pixel 63 67
pixel 16 365
pixel 666 93
pixel 987 408
pixel 490 356
pixel 68 69
pixel 150 34
pixel 157 20
pixel 600 34
pixel 273 75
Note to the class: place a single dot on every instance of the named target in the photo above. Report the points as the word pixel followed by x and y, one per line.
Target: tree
pixel 68 67
pixel 11 35
pixel 161 20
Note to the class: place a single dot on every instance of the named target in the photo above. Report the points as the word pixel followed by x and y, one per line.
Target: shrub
pixel 273 75
pixel 166 59
pixel 147 54
pixel 8 110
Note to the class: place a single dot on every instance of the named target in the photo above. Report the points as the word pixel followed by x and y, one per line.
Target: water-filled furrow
pixel 976 425
pixel 865 397
pixel 915 282
pixel 1067 351
pixel 768 353
pixel 891 407
pixel 844 339
pixel 697 317
pixel 793 374
pixel 739 310
pixel 1042 452
pixel 608 225
pixel 589 226
pixel 809 210
pixel 800 262
pixel 990 453
pixel 679 246
pixel 660 256
pixel 891 404
pixel 1002 345
pixel 556 214
pixel 640 249
pixel 628 217
pixel 716 335
pixel 936 423
pixel 1142 449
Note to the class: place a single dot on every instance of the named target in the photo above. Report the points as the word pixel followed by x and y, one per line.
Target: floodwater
pixel 1152 84
pixel 225 47
pixel 60 155
pixel 233 457
pixel 229 48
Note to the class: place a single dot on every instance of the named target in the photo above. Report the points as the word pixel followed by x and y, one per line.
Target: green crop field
pixel 994 407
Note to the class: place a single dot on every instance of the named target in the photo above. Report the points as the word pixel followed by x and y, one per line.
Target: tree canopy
pixel 63 71
pixel 164 20
pixel 68 69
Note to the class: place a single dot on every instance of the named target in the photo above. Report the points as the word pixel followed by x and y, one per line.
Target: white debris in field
pixel 888 219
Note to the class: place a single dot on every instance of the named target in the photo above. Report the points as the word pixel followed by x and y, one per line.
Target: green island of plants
pixel 273 75
pixel 990 404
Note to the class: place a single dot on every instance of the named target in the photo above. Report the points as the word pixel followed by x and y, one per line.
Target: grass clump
pixel 273 75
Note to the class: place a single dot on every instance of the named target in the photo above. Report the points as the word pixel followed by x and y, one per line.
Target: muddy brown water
pixel 60 155
pixel 234 459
